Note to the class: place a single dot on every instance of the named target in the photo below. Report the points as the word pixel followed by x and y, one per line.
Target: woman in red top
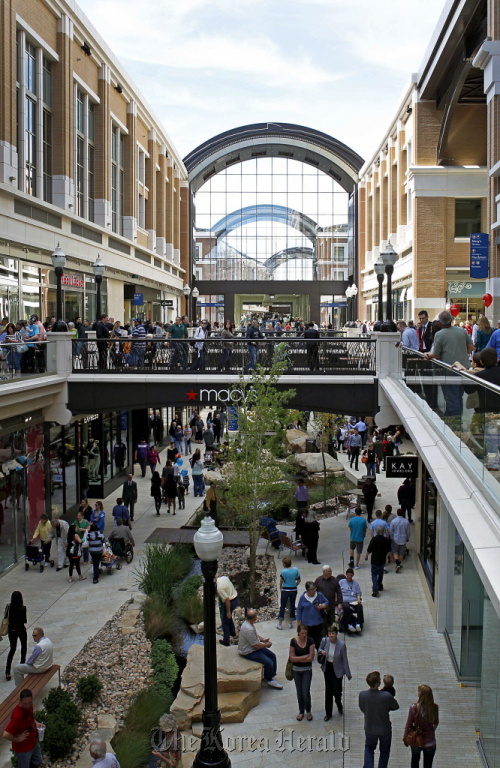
pixel 424 716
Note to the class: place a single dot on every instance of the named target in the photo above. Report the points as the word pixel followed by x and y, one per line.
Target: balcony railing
pixel 466 406
pixel 160 355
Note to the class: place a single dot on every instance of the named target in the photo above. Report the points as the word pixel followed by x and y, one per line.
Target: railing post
pixel 389 357
pixel 60 352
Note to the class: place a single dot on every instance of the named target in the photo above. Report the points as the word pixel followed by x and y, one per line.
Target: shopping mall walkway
pixel 398 638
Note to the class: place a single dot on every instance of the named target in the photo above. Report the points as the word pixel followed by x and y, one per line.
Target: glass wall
pixel 489 696
pixel 271 218
pixel 22 490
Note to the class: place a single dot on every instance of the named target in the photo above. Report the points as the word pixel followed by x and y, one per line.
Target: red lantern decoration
pixel 487 299
pixel 455 309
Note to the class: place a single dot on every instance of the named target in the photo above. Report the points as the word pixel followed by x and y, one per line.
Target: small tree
pixel 326 425
pixel 256 476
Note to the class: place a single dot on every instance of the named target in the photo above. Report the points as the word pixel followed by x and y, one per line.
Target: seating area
pixel 35 683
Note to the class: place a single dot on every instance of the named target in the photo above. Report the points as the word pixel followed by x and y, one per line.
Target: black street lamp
pixel 389 258
pixel 208 542
pixel 98 268
pixel 379 268
pixel 59 262
pixel 354 293
pixel 187 292
pixel 194 294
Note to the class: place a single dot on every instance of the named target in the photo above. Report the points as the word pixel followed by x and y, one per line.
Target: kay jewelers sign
pixel 401 466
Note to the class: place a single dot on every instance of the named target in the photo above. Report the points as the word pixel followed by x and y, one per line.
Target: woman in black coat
pixel 17 630
pixel 156 490
pixel 310 536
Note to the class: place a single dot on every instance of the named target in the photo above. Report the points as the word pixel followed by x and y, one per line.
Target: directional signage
pixel 138 299
pixel 479 246
pixel 401 466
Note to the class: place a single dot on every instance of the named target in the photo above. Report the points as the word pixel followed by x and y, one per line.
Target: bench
pixel 35 683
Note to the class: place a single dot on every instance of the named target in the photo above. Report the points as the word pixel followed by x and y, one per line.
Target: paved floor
pixel 399 638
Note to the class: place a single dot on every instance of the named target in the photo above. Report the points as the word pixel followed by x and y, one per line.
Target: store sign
pixel 458 289
pixel 138 299
pixel 218 395
pixel 72 281
pixel 401 466
pixel 88 419
pixel 166 303
pixel 478 254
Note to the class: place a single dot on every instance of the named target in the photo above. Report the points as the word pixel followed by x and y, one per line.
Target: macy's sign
pixel 222 395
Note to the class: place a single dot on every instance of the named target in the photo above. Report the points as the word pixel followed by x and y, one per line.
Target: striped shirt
pixel 96 541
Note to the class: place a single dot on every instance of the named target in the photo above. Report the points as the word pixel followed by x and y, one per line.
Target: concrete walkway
pixel 398 638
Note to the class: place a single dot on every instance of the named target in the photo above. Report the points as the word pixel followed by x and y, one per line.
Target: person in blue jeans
pixel 96 544
pixel 289 581
pixel 256 648
pixel 378 547
pixel 376 706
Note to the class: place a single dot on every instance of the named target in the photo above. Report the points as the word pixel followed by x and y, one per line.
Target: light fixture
pixel 380 272
pixel 208 541
pixel 58 257
pixel 98 267
pixel 354 290
pixel 389 258
pixel 379 267
pixel 195 293
pixel 186 290
pixel 389 255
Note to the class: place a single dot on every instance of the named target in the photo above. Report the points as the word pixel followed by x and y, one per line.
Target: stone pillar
pixel 161 202
pixel 8 138
pixel 130 173
pixel 63 119
pixel 151 193
pixel 169 230
pixel 102 212
pixel 185 239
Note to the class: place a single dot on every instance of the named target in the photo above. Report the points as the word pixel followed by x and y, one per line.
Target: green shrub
pixel 60 735
pixel 59 702
pixel 132 749
pixel 145 710
pixel 164 666
pixel 162 567
pixel 190 607
pixel 88 688
pixel 159 618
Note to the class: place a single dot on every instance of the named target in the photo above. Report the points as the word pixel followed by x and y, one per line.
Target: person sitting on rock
pixel 256 648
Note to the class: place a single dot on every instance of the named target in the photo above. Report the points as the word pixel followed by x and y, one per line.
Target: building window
pixel 339 252
pixel 34 119
pixel 84 155
pixel 117 179
pixel 467 217
pixel 428 531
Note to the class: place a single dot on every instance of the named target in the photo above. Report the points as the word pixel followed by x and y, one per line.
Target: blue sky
pixel 206 66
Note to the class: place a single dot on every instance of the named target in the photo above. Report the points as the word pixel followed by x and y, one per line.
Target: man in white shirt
pixel 256 648
pixel 362 430
pixel 40 660
pixel 228 601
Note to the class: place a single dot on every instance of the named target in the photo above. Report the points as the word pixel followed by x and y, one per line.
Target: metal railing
pixel 216 355
pixel 22 358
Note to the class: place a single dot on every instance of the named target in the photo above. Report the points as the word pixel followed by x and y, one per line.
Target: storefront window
pixel 489 699
pixel 428 532
pixel 464 621
pixel 9 289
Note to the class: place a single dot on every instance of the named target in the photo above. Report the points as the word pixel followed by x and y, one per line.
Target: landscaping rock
pixel 296 440
pixel 313 462
pixel 212 476
pixel 238 683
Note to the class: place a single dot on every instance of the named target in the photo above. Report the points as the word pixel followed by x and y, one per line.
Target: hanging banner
pixel 478 253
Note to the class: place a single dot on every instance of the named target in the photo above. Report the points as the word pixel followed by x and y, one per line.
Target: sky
pixel 206 66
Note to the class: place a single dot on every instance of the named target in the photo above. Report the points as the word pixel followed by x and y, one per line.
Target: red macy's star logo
pixel 192 395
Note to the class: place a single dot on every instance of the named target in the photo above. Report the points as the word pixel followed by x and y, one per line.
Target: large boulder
pixel 296 440
pixel 238 683
pixel 312 463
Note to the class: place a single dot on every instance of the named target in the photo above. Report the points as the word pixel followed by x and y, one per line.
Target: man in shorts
pixel 357 527
pixel 400 535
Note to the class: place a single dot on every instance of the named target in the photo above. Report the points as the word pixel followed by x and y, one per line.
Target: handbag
pixel 414 737
pixel 4 625
pixel 364 459
pixel 289 670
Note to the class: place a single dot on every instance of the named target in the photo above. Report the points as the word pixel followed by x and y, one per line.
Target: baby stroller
pixel 207 459
pixel 35 555
pixel 109 560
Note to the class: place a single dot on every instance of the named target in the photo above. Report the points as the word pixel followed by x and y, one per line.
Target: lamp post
pixel 354 293
pixel 379 268
pixel 194 294
pixel 208 541
pixel 98 268
pixel 348 294
pixel 187 291
pixel 59 262
pixel 389 258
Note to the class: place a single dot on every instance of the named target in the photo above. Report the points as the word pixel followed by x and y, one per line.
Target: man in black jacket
pixel 253 332
pixel 378 547
pixel 310 334
pixel 129 494
pixel 102 332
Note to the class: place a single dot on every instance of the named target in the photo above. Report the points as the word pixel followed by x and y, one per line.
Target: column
pixel 63 119
pixel 130 171
pixel 151 172
pixel 161 201
pixel 102 152
pixel 8 139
